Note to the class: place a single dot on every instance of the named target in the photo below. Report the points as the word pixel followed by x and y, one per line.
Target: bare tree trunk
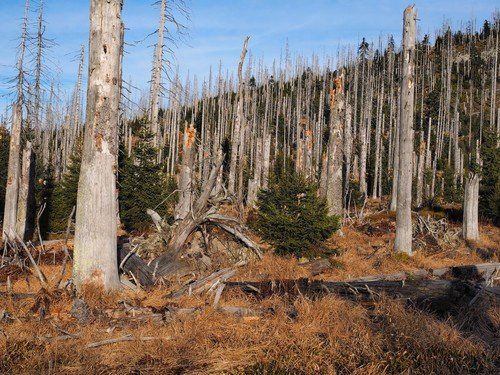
pixel 403 215
pixel 183 207
pixel 14 167
pixel 96 220
pixel 155 90
pixel 470 208
pixel 420 170
pixel 13 172
pixel 334 186
pixel 235 139
pixel 26 199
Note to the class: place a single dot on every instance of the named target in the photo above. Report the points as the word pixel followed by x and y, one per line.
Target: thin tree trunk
pixel 13 174
pixel 334 186
pixel 470 208
pixel 26 199
pixel 183 207
pixel 403 215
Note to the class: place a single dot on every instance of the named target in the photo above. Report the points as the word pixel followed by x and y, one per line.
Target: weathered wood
pixel 317 266
pixel 96 213
pixel 438 295
pixel 403 241
pixel 135 265
pixel 470 229
pixel 483 273
pixel 205 283
pixel 334 183
pixel 26 198
pixel 13 172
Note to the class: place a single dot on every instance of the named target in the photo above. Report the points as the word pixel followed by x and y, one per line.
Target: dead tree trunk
pixel 470 208
pixel 155 90
pixel 403 213
pixel 235 139
pixel 96 220
pixel 334 186
pixel 26 199
pixel 13 171
pixel 183 207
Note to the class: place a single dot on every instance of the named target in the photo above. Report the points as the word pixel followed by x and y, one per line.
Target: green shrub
pixel 291 217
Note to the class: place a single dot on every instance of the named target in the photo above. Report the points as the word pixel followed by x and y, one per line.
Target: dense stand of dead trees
pixel 344 124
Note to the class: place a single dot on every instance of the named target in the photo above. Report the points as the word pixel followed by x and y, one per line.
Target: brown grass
pixel 327 336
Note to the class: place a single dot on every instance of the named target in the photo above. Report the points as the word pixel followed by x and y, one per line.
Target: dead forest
pixel 334 215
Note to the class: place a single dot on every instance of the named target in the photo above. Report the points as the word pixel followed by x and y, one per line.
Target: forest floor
pixel 40 334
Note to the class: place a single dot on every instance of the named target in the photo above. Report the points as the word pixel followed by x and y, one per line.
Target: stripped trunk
pixel 420 170
pixel 334 186
pixel 470 208
pixel 403 214
pixel 183 207
pixel 235 139
pixel 14 167
pixel 95 255
pixel 155 90
pixel 13 171
pixel 26 199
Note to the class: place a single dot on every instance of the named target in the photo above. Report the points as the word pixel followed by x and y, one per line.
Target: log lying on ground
pixel 484 273
pixel 206 283
pixel 439 295
pixel 132 263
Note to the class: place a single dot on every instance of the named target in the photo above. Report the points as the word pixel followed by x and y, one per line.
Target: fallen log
pixel 206 283
pixel 439 295
pixel 483 273
pixel 134 264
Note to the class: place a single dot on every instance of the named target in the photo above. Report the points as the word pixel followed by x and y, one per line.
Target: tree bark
pixel 13 172
pixel 95 255
pixel 470 208
pixel 334 186
pixel 403 241
pixel 26 199
pixel 186 174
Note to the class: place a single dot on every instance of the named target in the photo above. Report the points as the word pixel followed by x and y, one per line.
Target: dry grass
pixel 327 335
pixel 324 336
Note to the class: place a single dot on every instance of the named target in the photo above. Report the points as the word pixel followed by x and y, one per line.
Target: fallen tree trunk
pixel 132 263
pixel 439 295
pixel 483 273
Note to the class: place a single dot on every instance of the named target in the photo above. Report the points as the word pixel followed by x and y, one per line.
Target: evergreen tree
pixel 292 218
pixel 489 191
pixel 64 194
pixel 44 194
pixel 142 183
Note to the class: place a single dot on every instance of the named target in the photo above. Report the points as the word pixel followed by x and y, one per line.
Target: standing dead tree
pixel 239 125
pixel 14 166
pixel 334 186
pixel 403 242
pixel 95 244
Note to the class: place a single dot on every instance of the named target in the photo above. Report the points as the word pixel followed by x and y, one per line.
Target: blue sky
pixel 217 28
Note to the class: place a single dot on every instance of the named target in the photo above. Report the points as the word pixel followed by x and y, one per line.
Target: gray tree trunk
pixel 334 186
pixel 13 172
pixel 403 241
pixel 26 199
pixel 183 207
pixel 95 255
pixel 470 207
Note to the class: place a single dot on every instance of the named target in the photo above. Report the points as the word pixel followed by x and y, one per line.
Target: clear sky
pixel 217 29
